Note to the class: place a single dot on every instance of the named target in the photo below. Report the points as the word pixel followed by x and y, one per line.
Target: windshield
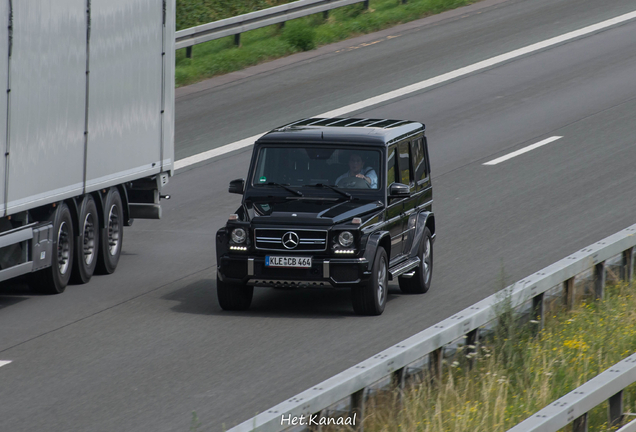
pixel 347 168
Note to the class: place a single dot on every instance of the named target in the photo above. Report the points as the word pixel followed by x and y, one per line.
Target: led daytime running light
pixel 345 251
pixel 238 248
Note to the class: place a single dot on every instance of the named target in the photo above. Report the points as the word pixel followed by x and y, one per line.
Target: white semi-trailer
pixel 86 132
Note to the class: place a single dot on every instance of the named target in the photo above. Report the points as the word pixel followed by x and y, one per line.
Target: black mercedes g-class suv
pixel 331 202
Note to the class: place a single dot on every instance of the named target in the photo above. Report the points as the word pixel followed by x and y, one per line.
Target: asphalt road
pixel 142 349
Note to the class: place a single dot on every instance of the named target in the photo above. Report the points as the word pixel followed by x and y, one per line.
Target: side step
pixel 403 267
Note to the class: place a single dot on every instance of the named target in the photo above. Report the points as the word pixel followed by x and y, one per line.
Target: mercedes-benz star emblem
pixel 290 240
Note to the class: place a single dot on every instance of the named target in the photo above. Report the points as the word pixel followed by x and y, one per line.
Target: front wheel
pixel 233 296
pixel 370 299
pixel 420 282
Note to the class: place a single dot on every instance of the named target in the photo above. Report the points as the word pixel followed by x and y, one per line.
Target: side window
pixel 419 162
pixel 404 164
pixel 391 166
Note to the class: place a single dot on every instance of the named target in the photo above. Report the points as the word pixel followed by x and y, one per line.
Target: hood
pixel 307 212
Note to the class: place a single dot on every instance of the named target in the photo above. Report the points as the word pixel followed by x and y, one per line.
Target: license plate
pixel 282 261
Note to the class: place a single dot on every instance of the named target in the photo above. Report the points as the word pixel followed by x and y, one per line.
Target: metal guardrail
pixel 574 406
pixel 393 362
pixel 239 24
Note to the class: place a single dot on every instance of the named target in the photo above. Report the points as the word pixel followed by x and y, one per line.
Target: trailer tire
pixel 87 242
pixel 53 280
pixel 111 234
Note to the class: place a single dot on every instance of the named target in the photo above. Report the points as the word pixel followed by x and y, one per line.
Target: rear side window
pixel 419 162
pixel 405 176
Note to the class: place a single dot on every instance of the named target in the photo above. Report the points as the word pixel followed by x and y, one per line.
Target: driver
pixel 357 169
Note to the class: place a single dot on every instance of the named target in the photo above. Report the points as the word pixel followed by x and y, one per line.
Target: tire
pixel 370 299
pixel 53 280
pixel 421 280
pixel 233 296
pixel 111 235
pixel 87 242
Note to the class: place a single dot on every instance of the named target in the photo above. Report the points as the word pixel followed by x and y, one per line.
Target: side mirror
pixel 237 186
pixel 399 190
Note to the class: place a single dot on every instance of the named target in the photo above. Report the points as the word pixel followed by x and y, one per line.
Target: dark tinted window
pixel 405 171
pixel 419 163
pixel 392 169
pixel 300 166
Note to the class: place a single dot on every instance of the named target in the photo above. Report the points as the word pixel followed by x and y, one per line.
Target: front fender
pixel 422 219
pixel 222 245
pixel 375 240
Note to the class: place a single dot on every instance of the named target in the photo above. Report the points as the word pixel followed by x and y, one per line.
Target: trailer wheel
pixel 87 245
pixel 53 280
pixel 111 234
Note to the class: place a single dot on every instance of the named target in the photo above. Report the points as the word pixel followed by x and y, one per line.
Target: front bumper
pixel 324 272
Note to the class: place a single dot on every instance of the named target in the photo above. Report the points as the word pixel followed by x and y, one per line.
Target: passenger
pixel 357 169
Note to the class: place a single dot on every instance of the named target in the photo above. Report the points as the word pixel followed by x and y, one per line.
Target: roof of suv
pixel 343 130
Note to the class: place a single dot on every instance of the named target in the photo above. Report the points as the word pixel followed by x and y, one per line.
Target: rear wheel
pixel 420 282
pixel 112 234
pixel 87 246
pixel 370 299
pixel 53 280
pixel 233 296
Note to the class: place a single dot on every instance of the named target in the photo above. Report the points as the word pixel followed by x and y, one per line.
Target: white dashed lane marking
pixel 523 150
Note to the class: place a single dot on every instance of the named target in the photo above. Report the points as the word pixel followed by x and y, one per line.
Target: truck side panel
pixel 47 102
pixel 4 74
pixel 125 88
pixel 168 65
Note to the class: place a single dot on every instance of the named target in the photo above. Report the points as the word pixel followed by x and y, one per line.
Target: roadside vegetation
pixel 303 34
pixel 517 372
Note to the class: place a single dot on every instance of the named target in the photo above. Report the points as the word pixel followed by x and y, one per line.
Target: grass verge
pixel 268 43
pixel 519 372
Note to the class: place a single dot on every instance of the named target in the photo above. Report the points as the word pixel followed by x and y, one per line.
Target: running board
pixel 404 267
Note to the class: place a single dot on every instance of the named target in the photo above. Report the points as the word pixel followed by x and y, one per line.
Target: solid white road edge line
pixel 4 362
pixel 420 85
pixel 523 150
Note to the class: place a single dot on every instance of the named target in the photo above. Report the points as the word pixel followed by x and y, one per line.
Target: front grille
pixel 297 240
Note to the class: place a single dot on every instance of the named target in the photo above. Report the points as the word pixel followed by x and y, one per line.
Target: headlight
pixel 239 235
pixel 345 239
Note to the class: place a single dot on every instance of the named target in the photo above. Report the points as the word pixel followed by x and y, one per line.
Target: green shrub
pixel 300 36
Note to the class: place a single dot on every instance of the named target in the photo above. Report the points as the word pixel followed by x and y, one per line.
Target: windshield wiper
pixel 295 192
pixel 334 188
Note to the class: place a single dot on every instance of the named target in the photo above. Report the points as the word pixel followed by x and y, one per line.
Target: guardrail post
pixel 628 256
pixel 538 310
pixel 568 290
pixel 599 280
pixel 615 409
pixel 189 52
pixel 318 427
pixel 435 362
pixel 580 424
pixel 397 382
pixel 237 39
pixel 471 342
pixel 357 408
pixel 325 15
pixel 365 4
